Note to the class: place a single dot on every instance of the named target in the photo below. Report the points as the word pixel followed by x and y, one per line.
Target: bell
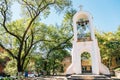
pixel 86 22
pixel 82 25
pixel 78 23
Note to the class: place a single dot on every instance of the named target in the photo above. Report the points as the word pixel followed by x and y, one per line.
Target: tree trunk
pixel 20 70
pixel 45 68
pixel 54 66
pixel 19 66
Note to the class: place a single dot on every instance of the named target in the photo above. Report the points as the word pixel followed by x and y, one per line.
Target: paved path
pixel 58 78
pixel 48 78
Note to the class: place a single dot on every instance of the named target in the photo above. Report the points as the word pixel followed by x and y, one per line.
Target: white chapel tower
pixel 85 41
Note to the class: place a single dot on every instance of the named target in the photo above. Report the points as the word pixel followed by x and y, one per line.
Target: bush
pixel 117 69
pixel 7 78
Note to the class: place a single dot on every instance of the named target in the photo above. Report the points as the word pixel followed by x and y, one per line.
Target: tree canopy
pixel 24 32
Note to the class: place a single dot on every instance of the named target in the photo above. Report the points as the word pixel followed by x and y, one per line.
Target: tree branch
pixel 4 13
pixel 57 47
pixel 29 25
pixel 28 50
pixel 8 51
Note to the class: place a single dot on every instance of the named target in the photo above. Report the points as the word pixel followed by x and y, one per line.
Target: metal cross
pixel 81 7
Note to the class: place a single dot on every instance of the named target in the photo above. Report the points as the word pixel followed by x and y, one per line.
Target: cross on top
pixel 81 7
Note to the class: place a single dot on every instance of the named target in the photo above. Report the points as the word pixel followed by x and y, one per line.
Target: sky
pixel 106 13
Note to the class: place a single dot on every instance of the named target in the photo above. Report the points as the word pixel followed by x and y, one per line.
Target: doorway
pixel 86 62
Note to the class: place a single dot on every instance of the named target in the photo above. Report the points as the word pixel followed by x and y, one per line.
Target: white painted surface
pixel 86 46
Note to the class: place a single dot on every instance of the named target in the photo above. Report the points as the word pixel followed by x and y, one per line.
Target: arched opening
pixel 86 62
pixel 83 31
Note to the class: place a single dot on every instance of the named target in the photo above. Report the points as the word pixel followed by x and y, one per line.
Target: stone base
pixel 88 77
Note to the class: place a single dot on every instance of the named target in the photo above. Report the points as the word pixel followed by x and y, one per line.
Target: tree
pixel 58 48
pixel 27 39
pixel 39 64
pixel 109 44
pixel 59 41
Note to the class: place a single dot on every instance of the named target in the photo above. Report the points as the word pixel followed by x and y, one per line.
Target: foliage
pixel 85 55
pixel 22 38
pixel 19 38
pixel 39 64
pixel 7 78
pixel 11 67
pixel 117 69
pixel 57 47
pixel 57 50
pixel 54 49
pixel 109 46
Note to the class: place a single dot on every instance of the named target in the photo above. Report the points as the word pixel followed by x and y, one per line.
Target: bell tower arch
pixel 82 21
pixel 85 41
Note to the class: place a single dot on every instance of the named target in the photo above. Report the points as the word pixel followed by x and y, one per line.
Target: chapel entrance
pixel 86 62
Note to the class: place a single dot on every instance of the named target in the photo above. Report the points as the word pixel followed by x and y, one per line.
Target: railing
pixel 84 39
